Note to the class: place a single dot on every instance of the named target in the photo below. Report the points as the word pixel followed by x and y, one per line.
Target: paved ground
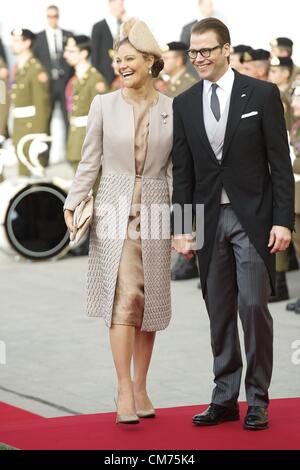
pixel 59 361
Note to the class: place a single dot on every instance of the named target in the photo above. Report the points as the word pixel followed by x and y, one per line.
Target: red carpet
pixel 11 415
pixel 171 430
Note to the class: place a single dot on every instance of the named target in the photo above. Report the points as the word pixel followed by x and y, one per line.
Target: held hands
pixel 280 239
pixel 69 222
pixel 184 245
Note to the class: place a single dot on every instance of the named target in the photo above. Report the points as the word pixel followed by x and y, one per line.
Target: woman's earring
pixel 150 71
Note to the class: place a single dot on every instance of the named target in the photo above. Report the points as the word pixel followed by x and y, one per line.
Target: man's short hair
pixel 53 7
pixel 213 24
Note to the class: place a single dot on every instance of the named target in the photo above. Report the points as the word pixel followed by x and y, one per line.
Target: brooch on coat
pixel 164 116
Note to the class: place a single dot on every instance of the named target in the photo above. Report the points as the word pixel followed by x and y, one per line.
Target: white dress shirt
pixel 113 25
pixel 52 36
pixel 225 84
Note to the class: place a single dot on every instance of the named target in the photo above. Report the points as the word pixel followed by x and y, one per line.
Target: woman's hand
pixel 184 245
pixel 69 222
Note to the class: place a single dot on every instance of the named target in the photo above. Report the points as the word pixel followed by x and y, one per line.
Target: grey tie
pixel 56 44
pixel 214 102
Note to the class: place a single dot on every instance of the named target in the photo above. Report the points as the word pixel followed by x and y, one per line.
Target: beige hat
pixel 140 36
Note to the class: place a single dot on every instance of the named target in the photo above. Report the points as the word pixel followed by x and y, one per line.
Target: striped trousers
pixel 238 283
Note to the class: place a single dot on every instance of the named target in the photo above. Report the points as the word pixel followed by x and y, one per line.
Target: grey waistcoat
pixel 216 133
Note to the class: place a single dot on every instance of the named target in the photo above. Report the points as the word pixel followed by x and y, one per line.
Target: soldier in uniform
pixel 88 82
pixel 256 63
pixel 175 59
pixel 29 95
pixel 4 103
pixel 236 55
pixel 283 47
pixel 280 73
pixel 295 141
pixel 4 106
pixel 82 89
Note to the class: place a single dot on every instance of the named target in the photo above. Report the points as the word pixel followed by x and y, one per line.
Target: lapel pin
pixel 244 95
pixel 164 116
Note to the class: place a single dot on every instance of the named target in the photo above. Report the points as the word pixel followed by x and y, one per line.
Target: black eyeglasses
pixel 205 52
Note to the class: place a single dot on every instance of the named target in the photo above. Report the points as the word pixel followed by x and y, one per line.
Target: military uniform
pixel 285 259
pixel 286 101
pixel 285 88
pixel 180 84
pixel 30 106
pixel 295 141
pixel 4 102
pixel 4 105
pixel 83 93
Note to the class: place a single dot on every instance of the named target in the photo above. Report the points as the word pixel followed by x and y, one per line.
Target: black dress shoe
pixel 257 418
pixel 184 269
pixel 216 414
pixel 292 306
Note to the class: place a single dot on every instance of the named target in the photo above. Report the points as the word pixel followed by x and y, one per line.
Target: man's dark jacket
pixel 102 42
pixel 255 171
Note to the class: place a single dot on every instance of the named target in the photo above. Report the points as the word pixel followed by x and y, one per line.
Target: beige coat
pixel 110 141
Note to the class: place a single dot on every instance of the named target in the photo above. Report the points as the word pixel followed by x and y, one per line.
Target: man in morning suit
pixel 231 155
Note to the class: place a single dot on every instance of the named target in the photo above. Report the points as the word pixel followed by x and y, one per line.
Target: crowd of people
pixel 56 66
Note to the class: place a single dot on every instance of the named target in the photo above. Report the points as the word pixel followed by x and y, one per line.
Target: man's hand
pixel 280 239
pixel 184 245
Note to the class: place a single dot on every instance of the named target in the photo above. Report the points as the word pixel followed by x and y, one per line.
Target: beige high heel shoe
pixel 125 419
pixel 146 413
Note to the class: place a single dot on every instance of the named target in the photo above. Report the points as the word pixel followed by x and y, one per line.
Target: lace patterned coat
pixel 110 142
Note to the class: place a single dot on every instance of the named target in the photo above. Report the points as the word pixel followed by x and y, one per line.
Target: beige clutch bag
pixel 82 219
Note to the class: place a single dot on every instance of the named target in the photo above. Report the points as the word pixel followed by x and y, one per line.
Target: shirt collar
pixel 53 31
pixel 225 82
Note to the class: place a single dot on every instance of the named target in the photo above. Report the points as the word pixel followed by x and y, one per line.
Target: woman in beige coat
pixel 129 133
